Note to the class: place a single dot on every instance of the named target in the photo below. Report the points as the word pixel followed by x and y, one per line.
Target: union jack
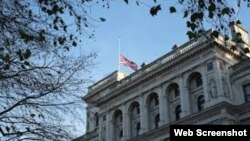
pixel 131 64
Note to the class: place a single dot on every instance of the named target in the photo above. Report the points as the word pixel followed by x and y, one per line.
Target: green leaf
pixel 191 34
pixel 201 3
pixel 126 1
pixel 26 63
pixel 27 54
pixel 23 67
pixel 185 14
pixel 74 43
pixel 155 9
pixel 211 7
pixel 194 17
pixel 172 9
pixel 246 50
pixel 1 49
pixel 226 38
pixel 226 11
pixel 20 55
pixel 27 128
pixel 238 22
pixel 6 58
pixel 210 15
pixel 137 3
pixel 191 25
pixel 102 19
pixel 7 129
pixel 6 67
pixel 215 34
pixel 26 37
pixel 32 115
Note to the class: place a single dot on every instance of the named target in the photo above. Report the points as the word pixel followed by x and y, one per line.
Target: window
pixel 121 119
pixel 104 118
pixel 200 102
pixel 247 92
pixel 210 66
pixel 178 112
pixel 198 81
pixel 120 134
pixel 138 110
pixel 156 100
pixel 176 91
pixel 96 120
pixel 157 120
pixel 138 128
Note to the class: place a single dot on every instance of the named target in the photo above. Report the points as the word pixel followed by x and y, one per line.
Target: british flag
pixel 131 64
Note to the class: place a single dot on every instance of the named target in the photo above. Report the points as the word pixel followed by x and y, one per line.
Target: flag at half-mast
pixel 129 63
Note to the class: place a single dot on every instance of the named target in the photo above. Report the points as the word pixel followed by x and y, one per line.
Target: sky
pixel 143 38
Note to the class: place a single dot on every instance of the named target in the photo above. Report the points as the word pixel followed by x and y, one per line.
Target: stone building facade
pixel 204 81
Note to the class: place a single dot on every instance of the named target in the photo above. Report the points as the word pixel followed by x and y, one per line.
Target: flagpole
pixel 119 53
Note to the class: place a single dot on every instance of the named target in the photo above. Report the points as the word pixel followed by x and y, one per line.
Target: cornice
pixel 166 67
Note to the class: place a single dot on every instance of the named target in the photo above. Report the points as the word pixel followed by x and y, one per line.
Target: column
pixel 109 127
pixel 218 80
pixel 125 123
pixel 143 115
pixel 185 98
pixel 162 107
pixel 205 85
pixel 167 116
pixel 100 127
pixel 229 83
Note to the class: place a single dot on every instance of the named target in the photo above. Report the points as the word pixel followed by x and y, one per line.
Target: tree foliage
pixel 40 82
pixel 218 13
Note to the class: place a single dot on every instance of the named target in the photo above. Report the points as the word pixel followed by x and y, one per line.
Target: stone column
pixel 109 127
pixel 143 115
pixel 220 92
pixel 229 84
pixel 205 85
pixel 185 98
pixel 128 126
pixel 167 116
pixel 162 105
pixel 125 122
pixel 100 127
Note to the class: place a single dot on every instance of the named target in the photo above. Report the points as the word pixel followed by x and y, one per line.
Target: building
pixel 204 81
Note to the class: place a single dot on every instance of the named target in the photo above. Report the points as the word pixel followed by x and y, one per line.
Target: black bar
pixel 215 132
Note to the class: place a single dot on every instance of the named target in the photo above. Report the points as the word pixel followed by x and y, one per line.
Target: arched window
pixel 138 128
pixel 195 89
pixel 157 120
pixel 138 110
pixel 178 112
pixel 117 124
pixel 176 91
pixel 156 101
pixel 198 80
pixel 96 120
pixel 200 102
pixel 153 109
pixel 173 98
pixel 120 134
pixel 134 118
